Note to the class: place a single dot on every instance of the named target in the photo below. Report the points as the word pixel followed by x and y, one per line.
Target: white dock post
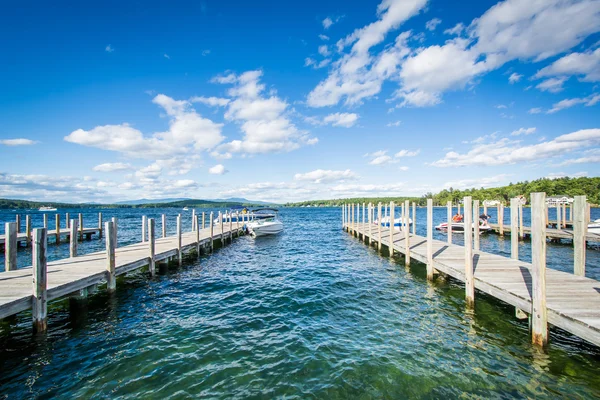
pixel 164 225
pixel 99 225
pixel 80 226
pixel 406 233
pixel 458 207
pixel 343 218
pixel 67 220
pixel 547 213
pixel 230 227
pixel 211 231
pixel 485 209
pixel 197 236
pixel 476 225
pixel 468 231
pixel 10 246
pixel 391 239
pixel 144 224
pixel 57 223
pixel 203 219
pixel 28 228
pixel 564 215
pixel 514 222
pixel 370 223
pixel 414 218
pixel 18 222
pixel 111 244
pixel 449 224
pixel 539 316
pixel 570 212
pixel 114 231
pixel 579 233
pixel 588 216
pixel 429 239
pixel 179 253
pixel 46 224
pixel 521 228
pixel 193 219
pixel 73 234
pixel 501 219
pixel 39 304
pixel 379 227
pixel 558 215
pixel 152 246
pixel 363 228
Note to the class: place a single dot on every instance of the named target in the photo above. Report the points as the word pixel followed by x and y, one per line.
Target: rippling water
pixel 310 313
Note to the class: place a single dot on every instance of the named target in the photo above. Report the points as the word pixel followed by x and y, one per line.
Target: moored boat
pixel 460 227
pixel 265 226
pixel 46 208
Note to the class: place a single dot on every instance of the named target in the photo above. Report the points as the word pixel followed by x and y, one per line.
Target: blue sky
pixel 288 101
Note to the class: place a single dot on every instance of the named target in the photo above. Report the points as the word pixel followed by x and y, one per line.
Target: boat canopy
pixel 265 209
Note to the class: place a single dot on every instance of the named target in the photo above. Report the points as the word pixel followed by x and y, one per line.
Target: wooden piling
pixel 114 230
pixel 429 239
pixel 476 225
pixel 18 222
pixel 379 227
pixel 46 223
pixel 151 246
pixel 57 222
pixel 558 215
pixel 99 225
pixel 179 252
pixel 370 223
pixel 343 217
pixel 564 215
pixel 211 231
pixel 406 229
pixel 539 317
pixel 203 219
pixel 198 235
pixel 111 244
pixel 80 226
pixel 514 228
pixel 468 232
pixel 579 233
pixel 230 227
pixel 521 228
pixel 144 224
pixel 414 218
pixel 193 219
pixel 10 246
pixel 39 305
pixel 500 212
pixel 363 221
pixel 73 238
pixel 68 220
pixel 449 224
pixel 164 225
pixel 28 229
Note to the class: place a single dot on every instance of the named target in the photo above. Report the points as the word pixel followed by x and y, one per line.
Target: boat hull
pixel 265 228
pixel 460 227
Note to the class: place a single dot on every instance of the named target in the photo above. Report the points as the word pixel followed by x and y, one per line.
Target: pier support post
pixel 28 229
pixel 18 222
pixel 414 218
pixel 203 219
pixel 151 246
pixel 99 225
pixel 163 218
pixel 114 231
pixel 212 225
pixel 539 316
pixel 39 305
pixel 179 253
pixel 370 223
pixel 221 223
pixel 558 215
pixel 564 215
pixel 579 233
pixel 73 238
pixel 144 224
pixel 449 223
pixel 514 221
pixel 198 236
pixel 46 224
pixel 476 225
pixel 379 227
pixel 468 231
pixel 429 239
pixel 343 218
pixel 57 223
pixel 10 246
pixel 230 227
pixel 111 244
pixel 68 220
pixel 80 226
pixel 521 228
pixel 391 239
pixel 363 227
pixel 406 228
pixel 501 219
pixel 193 219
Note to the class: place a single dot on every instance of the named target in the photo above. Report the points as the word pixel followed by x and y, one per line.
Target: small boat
pixel 185 209
pixel 265 226
pixel 460 227
pixel 46 208
pixel 398 222
pixel 594 227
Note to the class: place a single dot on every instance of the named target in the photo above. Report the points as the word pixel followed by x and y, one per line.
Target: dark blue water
pixel 310 313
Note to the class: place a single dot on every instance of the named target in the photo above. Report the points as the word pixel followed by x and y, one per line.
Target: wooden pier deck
pixel 67 277
pixel 64 233
pixel 551 233
pixel 547 296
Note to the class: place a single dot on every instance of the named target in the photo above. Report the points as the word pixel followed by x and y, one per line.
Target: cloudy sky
pixel 288 101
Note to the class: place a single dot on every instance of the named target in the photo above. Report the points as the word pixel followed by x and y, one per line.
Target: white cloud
pixel 326 176
pixel 205 52
pixel 557 175
pixel 456 30
pixel 523 131
pixel 323 37
pixel 485 182
pixel 112 167
pixel 501 106
pixel 166 56
pixel 210 101
pixel 514 78
pixel 346 120
pixel 396 123
pixel 506 151
pixel 594 159
pixel 407 153
pixel 369 189
pixel 590 100
pixel 45 187
pixel 381 157
pixel 323 50
pixel 327 22
pixel 432 24
pixel 18 142
pixel 218 169
pixel 109 48
pixel 586 65
pixel 535 110
pixel 552 85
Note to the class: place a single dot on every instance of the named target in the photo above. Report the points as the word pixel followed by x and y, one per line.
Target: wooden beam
pixel 179 251
pixel 203 219
pixel 111 244
pixel 18 222
pixel 539 316
pixel 476 225
pixel 429 239
pixel 500 211
pixel 521 228
pixel 449 217
pixel 211 231
pixel 67 220
pixel 379 227
pixel 414 218
pixel 558 215
pixel 406 228
pixel 151 246
pixel 46 222
pixel 57 223
pixel 80 226
pixel 114 230
pixel 164 225
pixel 468 234
pixel 99 225
pixel 10 246
pixel 144 224
pixel 370 223
pixel 579 233
pixel 514 228
pixel 28 229
pixel 193 219
pixel 39 305
pixel 198 235
pixel 73 238
pixel 391 238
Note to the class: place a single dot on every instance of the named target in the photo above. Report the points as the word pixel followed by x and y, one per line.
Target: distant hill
pixel 150 201
pixel 245 201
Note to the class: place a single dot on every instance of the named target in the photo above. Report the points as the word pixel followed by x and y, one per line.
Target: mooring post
pixel 539 317
pixel 414 218
pixel 10 246
pixel 80 226
pixel 476 225
pixel 363 230
pixel 73 238
pixel 343 219
pixel 151 246
pixel 57 223
pixel 514 228
pixel 501 219
pixel 588 215
pixel 222 238
pixel 28 229
pixel 468 231
pixel 458 207
pixel 211 231
pixel 197 236
pixel 429 239
pixel 46 224
pixel 203 219
pixel 114 231
pixel 579 233
pixel 571 212
pixel 449 223
pixel 370 223
pixel 391 239
pixel 144 224
pixel 558 215
pixel 230 227
pixel 379 227
pixel 68 220
pixel 111 244
pixel 99 225
pixel 179 253
pixel 547 207
pixel 564 215
pixel 193 219
pixel 406 233
pixel 521 228
pixel 18 223
pixel 39 305
pixel 163 219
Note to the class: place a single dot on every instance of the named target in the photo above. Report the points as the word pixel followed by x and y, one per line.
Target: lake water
pixel 310 313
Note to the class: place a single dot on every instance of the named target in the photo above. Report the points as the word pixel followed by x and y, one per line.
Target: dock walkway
pixel 551 233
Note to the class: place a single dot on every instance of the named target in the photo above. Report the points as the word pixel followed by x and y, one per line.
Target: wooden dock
pixel 75 275
pixel 565 300
pixel 551 233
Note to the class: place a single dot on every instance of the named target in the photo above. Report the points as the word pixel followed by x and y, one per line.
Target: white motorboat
pixel 460 227
pixel 265 226
pixel 185 209
pixel 594 227
pixel 244 216
pixel 398 222
pixel 46 208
